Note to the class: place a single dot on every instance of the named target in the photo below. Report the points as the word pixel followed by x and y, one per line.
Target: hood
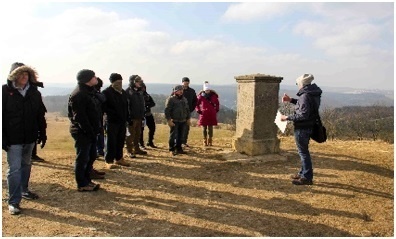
pixel 33 76
pixel 313 90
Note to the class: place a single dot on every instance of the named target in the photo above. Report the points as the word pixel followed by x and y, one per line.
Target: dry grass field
pixel 211 191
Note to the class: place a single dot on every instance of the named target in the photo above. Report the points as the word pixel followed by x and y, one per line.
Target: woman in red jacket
pixel 207 108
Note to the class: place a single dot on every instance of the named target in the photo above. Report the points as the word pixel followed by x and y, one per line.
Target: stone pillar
pixel 257 105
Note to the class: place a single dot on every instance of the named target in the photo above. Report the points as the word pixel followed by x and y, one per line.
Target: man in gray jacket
pixel 177 113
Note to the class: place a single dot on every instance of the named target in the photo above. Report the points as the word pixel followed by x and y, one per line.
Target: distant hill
pixel 332 96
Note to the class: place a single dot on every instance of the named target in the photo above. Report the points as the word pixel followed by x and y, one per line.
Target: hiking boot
pixel 14 209
pixel 151 144
pixel 122 162
pixel 172 153
pixel 210 142
pixel 295 176
pixel 89 188
pixel 94 175
pixel 141 152
pixel 110 165
pixel 142 147
pixel 186 145
pixel 36 158
pixel 99 172
pixel 29 195
pixel 302 181
pixel 205 142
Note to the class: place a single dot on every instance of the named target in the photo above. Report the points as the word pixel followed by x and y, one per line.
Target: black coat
pixel 23 117
pixel 136 108
pixel 191 97
pixel 83 112
pixel 116 106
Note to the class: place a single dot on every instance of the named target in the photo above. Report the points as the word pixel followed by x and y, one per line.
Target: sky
pixel 341 44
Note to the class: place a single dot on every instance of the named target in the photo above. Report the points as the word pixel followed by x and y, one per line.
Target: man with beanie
pixel 306 111
pixel 24 123
pixel 177 113
pixel 84 128
pixel 116 109
pixel 136 112
pixel 191 96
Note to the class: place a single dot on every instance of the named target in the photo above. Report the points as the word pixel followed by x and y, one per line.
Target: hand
pixel 188 122
pixel 283 118
pixel 42 140
pixel 170 123
pixel 286 98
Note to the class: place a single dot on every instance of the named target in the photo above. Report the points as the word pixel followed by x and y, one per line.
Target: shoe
pixel 89 188
pixel 94 175
pixel 29 195
pixel 122 162
pixel 172 153
pixel 131 155
pixel 99 172
pixel 98 155
pixel 295 176
pixel 186 145
pixel 36 158
pixel 151 144
pixel 110 165
pixel 14 209
pixel 142 147
pixel 141 152
pixel 302 181
pixel 180 151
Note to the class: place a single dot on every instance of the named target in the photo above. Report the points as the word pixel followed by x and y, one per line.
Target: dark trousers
pixel 186 131
pixel 34 152
pixel 85 157
pixel 132 141
pixel 100 142
pixel 151 126
pixel 176 135
pixel 115 142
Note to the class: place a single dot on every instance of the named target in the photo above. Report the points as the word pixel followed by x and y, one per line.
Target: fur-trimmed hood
pixel 33 76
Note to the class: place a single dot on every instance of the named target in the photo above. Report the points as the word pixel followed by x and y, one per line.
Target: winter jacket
pixel 148 103
pixel 23 116
pixel 207 108
pixel 306 106
pixel 116 106
pixel 191 97
pixel 176 108
pixel 100 99
pixel 82 111
pixel 136 108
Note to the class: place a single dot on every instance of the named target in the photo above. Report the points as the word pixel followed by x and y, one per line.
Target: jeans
pixel 86 156
pixel 302 137
pixel 176 134
pixel 19 168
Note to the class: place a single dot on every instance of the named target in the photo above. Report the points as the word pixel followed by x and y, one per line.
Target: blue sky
pixel 341 44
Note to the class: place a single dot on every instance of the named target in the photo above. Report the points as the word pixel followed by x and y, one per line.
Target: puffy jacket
pixel 136 107
pixel 207 108
pixel 116 106
pixel 176 108
pixel 83 112
pixel 306 106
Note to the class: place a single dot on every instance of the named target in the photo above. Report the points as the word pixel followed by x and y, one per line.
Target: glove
pixel 170 123
pixel 4 146
pixel 42 140
pixel 199 112
pixel 188 122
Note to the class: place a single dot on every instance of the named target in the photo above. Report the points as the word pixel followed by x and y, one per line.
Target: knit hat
pixel 177 88
pixel 206 86
pixel 84 76
pixel 134 78
pixel 185 79
pixel 304 80
pixel 114 77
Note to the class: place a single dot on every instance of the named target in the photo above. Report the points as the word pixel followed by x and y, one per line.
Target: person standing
pixel 149 119
pixel 23 124
pixel 303 118
pixel 84 128
pixel 177 114
pixel 191 96
pixel 136 111
pixel 207 107
pixel 100 100
pixel 116 109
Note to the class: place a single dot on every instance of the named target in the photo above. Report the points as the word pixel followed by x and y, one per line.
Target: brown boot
pixel 122 162
pixel 205 142
pixel 210 141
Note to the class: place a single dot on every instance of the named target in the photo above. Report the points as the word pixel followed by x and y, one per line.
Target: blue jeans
pixel 19 168
pixel 302 137
pixel 86 156
pixel 176 135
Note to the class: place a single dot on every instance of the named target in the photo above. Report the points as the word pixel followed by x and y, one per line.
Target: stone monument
pixel 257 105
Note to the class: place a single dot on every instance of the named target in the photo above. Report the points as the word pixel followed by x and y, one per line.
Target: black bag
pixel 319 131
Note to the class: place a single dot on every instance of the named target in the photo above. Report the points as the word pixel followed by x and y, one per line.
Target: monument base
pixel 255 147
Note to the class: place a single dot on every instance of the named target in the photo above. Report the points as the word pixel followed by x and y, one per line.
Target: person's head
pixel 115 77
pixel 99 85
pixel 87 77
pixel 185 82
pixel 135 81
pixel 178 90
pixel 304 80
pixel 206 87
pixel 21 74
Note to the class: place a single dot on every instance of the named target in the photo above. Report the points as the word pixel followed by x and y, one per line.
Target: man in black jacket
pixel 24 123
pixel 84 128
pixel 149 119
pixel 191 96
pixel 116 109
